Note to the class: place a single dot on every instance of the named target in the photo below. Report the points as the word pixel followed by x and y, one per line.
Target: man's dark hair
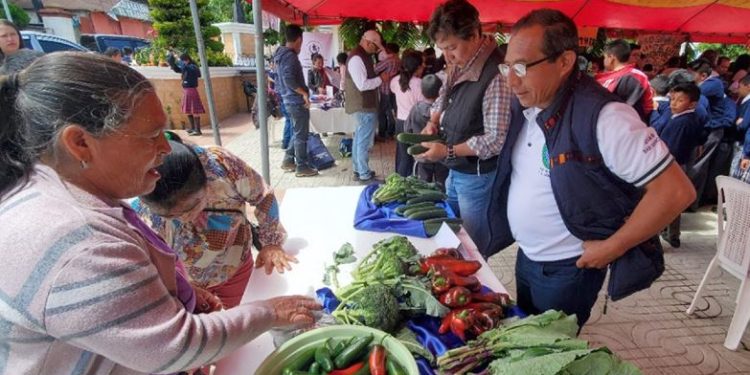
pixel 673 62
pixel 316 56
pixel 745 80
pixel 392 48
pixel 341 58
pixel 292 33
pixel 431 85
pixel 455 17
pixel 702 67
pixel 429 52
pixel 660 84
pixel 688 88
pixel 112 51
pixel 680 76
pixel 127 51
pixel 560 32
pixel 618 48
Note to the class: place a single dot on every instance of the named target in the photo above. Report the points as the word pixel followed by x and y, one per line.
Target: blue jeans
pixel 297 149
pixel 559 285
pixel 469 196
pixel 363 140
pixel 288 128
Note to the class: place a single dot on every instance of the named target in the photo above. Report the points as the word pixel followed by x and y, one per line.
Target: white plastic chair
pixel 733 251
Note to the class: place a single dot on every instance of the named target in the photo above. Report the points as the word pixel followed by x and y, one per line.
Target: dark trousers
pixel 716 158
pixel 297 149
pixel 404 161
pixel 387 115
pixel 433 172
pixel 558 285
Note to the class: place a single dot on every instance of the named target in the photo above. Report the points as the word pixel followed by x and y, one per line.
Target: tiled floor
pixel 649 328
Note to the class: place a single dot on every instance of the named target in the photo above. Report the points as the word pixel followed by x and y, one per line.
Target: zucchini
pixel 413 138
pixel 429 213
pixel 440 220
pixel 416 150
pixel 433 196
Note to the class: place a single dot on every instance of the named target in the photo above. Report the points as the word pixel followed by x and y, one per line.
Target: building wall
pixel 103 24
pixel 134 27
pixel 227 86
pixel 87 27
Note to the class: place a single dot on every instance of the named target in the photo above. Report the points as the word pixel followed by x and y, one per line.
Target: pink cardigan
pixel 82 292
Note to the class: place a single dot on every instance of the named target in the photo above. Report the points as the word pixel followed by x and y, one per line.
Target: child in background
pixel 682 134
pixel 741 161
pixel 417 120
pixel 660 115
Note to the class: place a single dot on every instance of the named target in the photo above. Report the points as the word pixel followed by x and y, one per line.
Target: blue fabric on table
pixel 371 217
pixel 425 328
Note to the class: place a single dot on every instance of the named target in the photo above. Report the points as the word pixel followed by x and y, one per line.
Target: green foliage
pixel 174 24
pixel 224 10
pixel 728 50
pixel 406 35
pixel 20 18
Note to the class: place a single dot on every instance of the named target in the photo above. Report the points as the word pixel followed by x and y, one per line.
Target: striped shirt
pixel 495 104
pixel 85 293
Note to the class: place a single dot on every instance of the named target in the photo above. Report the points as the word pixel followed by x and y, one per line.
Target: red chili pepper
pixel 501 299
pixel 377 360
pixel 443 279
pixel 447 251
pixel 456 297
pixel 461 321
pixel 445 325
pixel 459 267
pixel 349 370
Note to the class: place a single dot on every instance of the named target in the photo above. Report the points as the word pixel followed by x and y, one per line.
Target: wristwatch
pixel 451 153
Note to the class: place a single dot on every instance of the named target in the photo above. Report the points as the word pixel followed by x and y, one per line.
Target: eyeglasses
pixel 520 69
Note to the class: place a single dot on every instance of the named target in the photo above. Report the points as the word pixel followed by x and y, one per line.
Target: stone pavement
pixel 649 328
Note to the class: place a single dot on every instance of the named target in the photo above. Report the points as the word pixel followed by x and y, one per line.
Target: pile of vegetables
pixel 418 201
pixel 452 281
pixel 415 140
pixel 544 344
pixel 406 190
pixel 387 288
pixel 345 357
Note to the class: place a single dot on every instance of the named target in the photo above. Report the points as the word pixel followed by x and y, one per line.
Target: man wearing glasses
pixel 361 86
pixel 581 183
pixel 472 113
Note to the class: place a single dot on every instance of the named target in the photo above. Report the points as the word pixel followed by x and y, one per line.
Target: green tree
pixel 728 50
pixel 224 12
pixel 405 34
pixel 20 18
pixel 174 24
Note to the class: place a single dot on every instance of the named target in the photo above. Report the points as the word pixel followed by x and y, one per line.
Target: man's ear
pixel 568 60
pixel 77 142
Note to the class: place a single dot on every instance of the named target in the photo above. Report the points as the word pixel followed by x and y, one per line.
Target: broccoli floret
pixel 374 306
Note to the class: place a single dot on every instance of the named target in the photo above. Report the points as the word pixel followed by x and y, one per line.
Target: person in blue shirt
pixel 661 113
pixel 682 135
pixel 741 162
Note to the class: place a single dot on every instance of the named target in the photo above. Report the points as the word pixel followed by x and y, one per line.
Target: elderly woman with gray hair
pixel 90 288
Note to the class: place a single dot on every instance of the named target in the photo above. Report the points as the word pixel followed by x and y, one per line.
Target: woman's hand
pixel 205 301
pixel 293 310
pixel 273 256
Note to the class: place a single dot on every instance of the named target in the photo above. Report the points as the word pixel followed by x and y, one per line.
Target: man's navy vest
pixel 593 202
pixel 463 117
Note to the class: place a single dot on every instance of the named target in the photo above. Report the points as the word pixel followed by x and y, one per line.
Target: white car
pixel 48 43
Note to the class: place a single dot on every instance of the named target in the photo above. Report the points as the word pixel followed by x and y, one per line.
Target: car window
pixel 50 46
pixel 114 42
pixel 88 42
pixel 27 42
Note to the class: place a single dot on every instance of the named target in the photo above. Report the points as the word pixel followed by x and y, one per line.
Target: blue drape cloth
pixel 424 327
pixel 371 217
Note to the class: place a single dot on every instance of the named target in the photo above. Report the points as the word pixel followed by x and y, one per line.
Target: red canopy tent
pixel 724 21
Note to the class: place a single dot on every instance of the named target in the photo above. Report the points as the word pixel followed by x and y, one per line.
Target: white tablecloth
pixel 333 120
pixel 318 221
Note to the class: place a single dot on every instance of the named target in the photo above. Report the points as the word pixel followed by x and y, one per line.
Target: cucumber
pixel 416 150
pixel 440 220
pixel 402 209
pixel 415 208
pixel 433 196
pixel 301 361
pixel 412 138
pixel 429 213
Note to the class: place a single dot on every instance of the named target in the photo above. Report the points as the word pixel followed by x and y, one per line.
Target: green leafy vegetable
pixel 409 339
pixel 343 255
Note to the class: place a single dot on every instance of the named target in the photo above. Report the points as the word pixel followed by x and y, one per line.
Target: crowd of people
pixel 124 257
